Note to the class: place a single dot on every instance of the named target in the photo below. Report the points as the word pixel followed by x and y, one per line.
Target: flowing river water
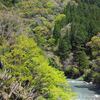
pixel 84 90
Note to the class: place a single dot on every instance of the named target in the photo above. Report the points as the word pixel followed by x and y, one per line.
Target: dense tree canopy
pixel 41 40
pixel 81 23
pixel 25 70
pixel 26 67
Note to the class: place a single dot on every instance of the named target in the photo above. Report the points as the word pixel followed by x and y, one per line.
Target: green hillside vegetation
pixel 25 70
pixel 27 74
pixel 44 41
pixel 82 22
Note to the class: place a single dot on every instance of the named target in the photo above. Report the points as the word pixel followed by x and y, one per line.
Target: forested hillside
pixel 25 72
pixel 43 42
pixel 78 39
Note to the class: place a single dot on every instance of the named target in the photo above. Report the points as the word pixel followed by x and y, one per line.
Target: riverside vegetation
pixel 42 41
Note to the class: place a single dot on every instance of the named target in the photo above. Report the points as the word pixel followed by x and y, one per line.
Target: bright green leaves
pixel 25 67
pixel 25 62
pixel 50 4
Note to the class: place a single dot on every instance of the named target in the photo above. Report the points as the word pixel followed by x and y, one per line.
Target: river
pixel 84 90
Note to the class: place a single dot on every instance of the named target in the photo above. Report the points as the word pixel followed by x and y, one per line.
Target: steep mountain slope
pixel 25 71
pixel 38 37
pixel 73 32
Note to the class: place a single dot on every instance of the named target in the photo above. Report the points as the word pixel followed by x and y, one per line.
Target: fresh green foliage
pixel 27 72
pixel 40 37
pixel 24 61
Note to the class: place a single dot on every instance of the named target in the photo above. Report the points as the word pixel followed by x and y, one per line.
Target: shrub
pixel 72 72
pixel 27 70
